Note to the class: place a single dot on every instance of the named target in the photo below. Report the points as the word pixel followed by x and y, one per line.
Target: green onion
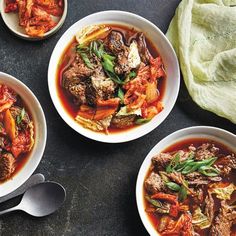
pixel 141 121
pixel 82 48
pixel 86 60
pixel 114 77
pixel 132 74
pixel 173 186
pixel 107 63
pixel 183 164
pixel 121 95
pixel 189 165
pixel 182 193
pixel 189 168
pixel 155 203
pixel 209 171
pixel 174 162
pixel 20 117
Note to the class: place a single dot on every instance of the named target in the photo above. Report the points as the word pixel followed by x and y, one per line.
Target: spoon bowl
pixel 41 200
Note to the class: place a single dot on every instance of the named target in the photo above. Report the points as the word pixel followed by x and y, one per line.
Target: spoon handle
pixel 33 180
pixel 9 210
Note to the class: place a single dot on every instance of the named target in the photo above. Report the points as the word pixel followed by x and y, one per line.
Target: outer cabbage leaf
pixel 203 35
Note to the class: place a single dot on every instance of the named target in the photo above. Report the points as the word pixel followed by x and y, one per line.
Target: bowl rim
pixel 96 135
pixel 143 170
pixel 29 38
pixel 44 137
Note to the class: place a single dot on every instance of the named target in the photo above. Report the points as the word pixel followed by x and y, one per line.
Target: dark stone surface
pixel 99 178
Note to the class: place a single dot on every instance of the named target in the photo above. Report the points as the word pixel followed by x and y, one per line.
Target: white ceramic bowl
pixel 40 134
pixel 12 22
pixel 219 135
pixel 165 49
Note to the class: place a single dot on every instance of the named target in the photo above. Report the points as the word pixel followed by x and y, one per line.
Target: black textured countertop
pixel 99 178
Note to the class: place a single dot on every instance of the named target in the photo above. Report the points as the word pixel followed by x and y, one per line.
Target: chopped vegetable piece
pixel 21 116
pixel 86 60
pixel 173 186
pixel 152 93
pixel 10 125
pixel 209 171
pixel 174 163
pixel 121 95
pixel 223 193
pixel 200 220
pixel 182 193
pixel 142 121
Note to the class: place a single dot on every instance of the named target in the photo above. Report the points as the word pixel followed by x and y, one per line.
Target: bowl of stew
pixel 22 133
pixel 186 184
pixel 113 76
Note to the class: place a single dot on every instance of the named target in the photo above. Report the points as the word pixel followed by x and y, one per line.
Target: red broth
pixel 182 145
pixel 67 57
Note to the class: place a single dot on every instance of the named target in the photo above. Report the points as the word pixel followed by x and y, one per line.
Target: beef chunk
pixel 104 87
pixel 161 160
pixel 224 220
pixel 7 166
pixel 205 151
pixel 123 121
pixel 87 85
pixel 142 48
pixel 78 91
pixel 117 47
pixel 78 70
pixel 154 184
pixel 226 163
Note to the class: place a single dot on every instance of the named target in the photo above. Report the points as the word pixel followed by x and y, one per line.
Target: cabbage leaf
pixel 200 220
pixel 223 193
pixel 203 35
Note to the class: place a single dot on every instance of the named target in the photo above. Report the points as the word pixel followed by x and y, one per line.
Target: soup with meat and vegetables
pixel 16 133
pixel 189 189
pixel 111 78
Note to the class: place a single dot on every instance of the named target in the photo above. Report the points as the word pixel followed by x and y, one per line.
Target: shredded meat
pixel 176 177
pixel 199 196
pixel 195 178
pixel 142 47
pixel 205 151
pixel 209 208
pixel 7 166
pixel 226 163
pixel 224 220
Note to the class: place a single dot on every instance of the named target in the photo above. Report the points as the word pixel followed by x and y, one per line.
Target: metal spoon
pixel 33 180
pixel 41 200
